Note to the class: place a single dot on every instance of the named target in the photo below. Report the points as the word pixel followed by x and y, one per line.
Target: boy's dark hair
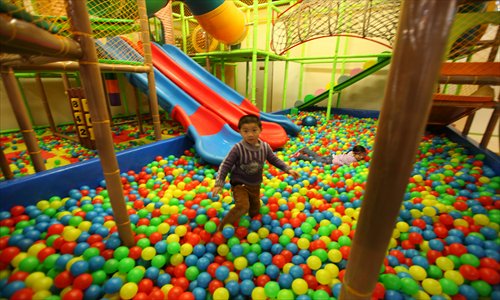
pixel 358 149
pixel 249 119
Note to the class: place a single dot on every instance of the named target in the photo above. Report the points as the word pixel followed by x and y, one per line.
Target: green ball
pixel 344 241
pixel 111 266
pixel 29 264
pixel 434 272
pixel 210 226
pixel 320 295
pixel 470 259
pixel 284 240
pixel 258 269
pixel 135 275
pixel 285 295
pixel 75 221
pixel 126 265
pixel 50 261
pixel 482 287
pixel 409 286
pixel 391 282
pixel 143 243
pixel 91 252
pixel 321 253
pixel 159 261
pixel 272 288
pixel 120 252
pixel 173 248
pixel 192 273
pixel 4 231
pixel 201 219
pixel 449 287
pixel 99 277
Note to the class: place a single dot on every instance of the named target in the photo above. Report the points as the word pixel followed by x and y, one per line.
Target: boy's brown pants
pixel 246 199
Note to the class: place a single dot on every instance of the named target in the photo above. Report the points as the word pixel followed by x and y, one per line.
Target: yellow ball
pixel 186 249
pixel 33 250
pixel 240 263
pixel 258 293
pixel 221 293
pixel 223 250
pixel 445 263
pixel 299 286
pixel 163 228
pixel 253 238
pixel 173 238
pixel 42 284
pixel 323 276
pixel 335 255
pixel 176 259
pixel 32 278
pixel 481 219
pixel 314 262
pixel 18 258
pixel 181 230
pixel 263 232
pixel 71 233
pixel 303 243
pixel 289 232
pixel 454 276
pixel 432 286
pixel 128 290
pixel 417 272
pixel 429 211
pixel 41 295
pixel 333 269
pixel 148 253
pixel 421 295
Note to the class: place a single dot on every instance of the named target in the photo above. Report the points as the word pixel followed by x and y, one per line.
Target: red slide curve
pixel 272 133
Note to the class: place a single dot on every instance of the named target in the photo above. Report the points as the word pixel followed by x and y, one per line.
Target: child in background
pixel 358 153
pixel 244 163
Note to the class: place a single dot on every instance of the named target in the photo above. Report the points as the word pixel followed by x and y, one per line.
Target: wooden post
pixel 90 76
pixel 4 165
pixel 29 136
pixel 420 45
pixel 148 61
pixel 468 124
pixel 138 110
pixel 45 103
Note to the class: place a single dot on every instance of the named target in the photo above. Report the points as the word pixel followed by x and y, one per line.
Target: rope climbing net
pixel 311 19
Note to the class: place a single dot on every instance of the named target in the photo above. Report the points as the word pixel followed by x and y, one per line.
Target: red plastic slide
pixel 272 133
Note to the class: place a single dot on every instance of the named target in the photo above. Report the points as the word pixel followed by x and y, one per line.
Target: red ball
pixel 17 210
pixel 82 281
pixel 213 285
pixel 378 291
pixel 63 279
pixel 186 296
pixel 146 285
pixel 469 272
pixel 8 254
pixel 140 296
pixel 175 293
pixel 312 283
pixel 73 295
pixel 279 261
pixel 489 275
pixel 23 294
pixel 262 280
pixel 18 276
pixel 415 238
pixel 345 250
pixel 457 249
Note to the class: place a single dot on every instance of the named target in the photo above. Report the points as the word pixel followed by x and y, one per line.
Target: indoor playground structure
pixel 116 114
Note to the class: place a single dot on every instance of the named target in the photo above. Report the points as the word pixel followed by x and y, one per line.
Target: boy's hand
pixel 216 190
pixel 294 173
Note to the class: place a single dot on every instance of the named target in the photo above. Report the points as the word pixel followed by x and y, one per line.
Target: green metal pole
pixel 266 62
pixel 301 72
pixel 123 93
pixel 254 49
pixel 247 73
pixel 332 80
pixel 222 71
pixel 285 83
pixel 25 100
pixel 183 28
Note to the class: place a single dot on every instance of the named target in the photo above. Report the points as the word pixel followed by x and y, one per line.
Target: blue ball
pixel 309 121
pixel 221 273
pixel 246 287
pixel 285 281
pixel 199 293
pixel 113 285
pixel 233 288
pixel 79 267
pixel 93 292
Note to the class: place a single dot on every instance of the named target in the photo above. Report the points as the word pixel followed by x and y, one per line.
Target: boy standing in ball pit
pixel 245 163
pixel 358 153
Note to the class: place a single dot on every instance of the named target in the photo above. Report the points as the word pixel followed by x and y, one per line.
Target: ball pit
pixel 444 246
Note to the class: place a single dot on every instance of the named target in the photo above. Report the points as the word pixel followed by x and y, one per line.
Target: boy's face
pixel 359 155
pixel 250 133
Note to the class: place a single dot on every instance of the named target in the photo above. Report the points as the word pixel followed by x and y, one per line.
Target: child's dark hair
pixel 249 119
pixel 358 149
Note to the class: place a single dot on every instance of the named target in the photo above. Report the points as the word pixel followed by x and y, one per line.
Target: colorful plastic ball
pixel 272 289
pixel 432 286
pixel 299 286
pixel 285 294
pixel 221 293
pixel 128 290
pixel 113 285
pixel 309 121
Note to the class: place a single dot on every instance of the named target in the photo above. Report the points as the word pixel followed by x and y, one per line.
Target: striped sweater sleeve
pixel 226 165
pixel 274 160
